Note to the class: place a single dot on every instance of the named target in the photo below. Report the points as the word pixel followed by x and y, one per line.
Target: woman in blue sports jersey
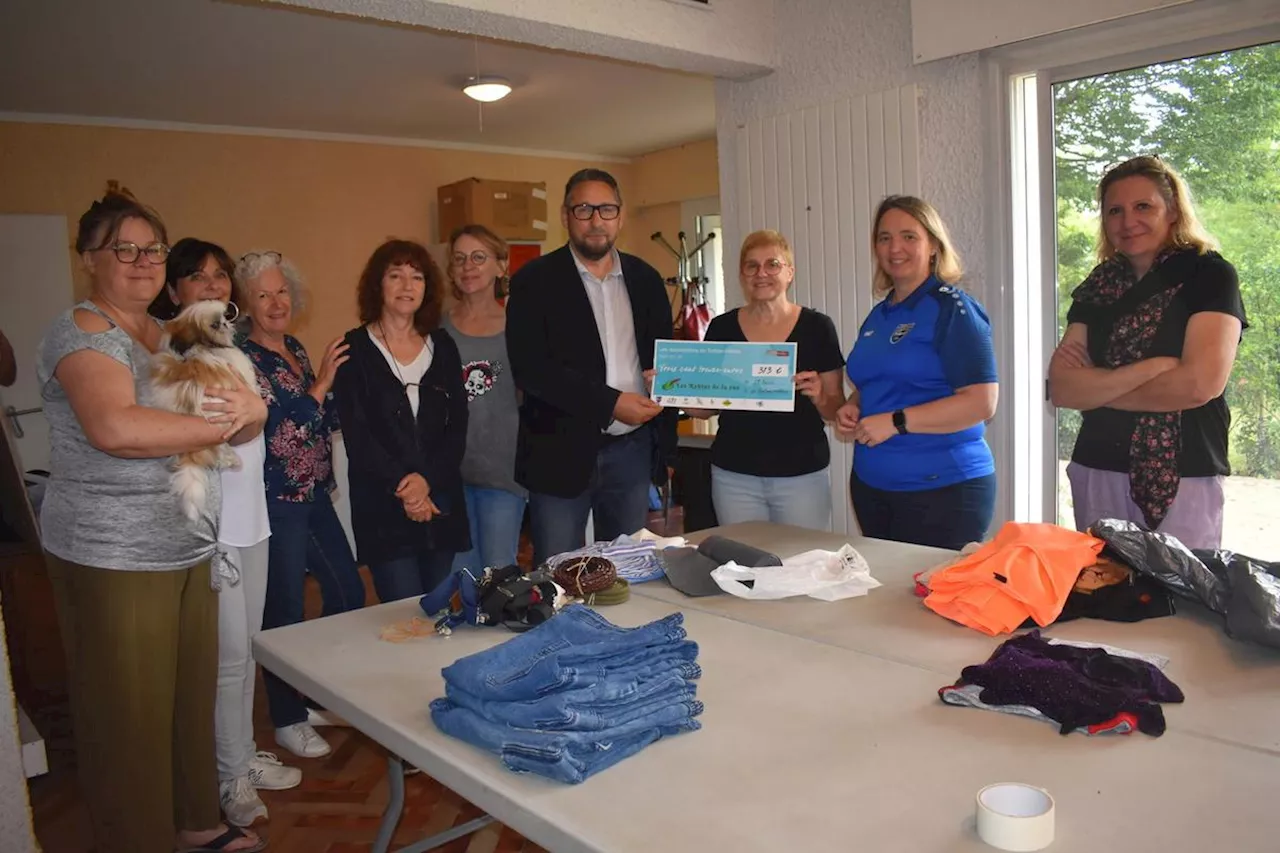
pixel 924 377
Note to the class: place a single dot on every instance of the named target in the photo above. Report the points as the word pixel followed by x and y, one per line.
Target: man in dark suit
pixel 581 322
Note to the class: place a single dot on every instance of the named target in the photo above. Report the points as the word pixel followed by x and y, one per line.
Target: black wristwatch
pixel 900 422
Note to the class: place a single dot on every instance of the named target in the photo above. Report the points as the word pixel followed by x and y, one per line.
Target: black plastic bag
pixel 1243 590
pixel 1253 611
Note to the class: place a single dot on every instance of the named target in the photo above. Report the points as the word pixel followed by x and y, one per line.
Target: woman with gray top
pixel 478 323
pixel 132 577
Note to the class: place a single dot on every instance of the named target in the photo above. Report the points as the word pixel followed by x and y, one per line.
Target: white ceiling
pixel 245 65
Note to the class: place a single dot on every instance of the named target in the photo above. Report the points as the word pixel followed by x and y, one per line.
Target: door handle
pixel 14 413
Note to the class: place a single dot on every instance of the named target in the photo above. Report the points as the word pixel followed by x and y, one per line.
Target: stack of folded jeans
pixel 575 695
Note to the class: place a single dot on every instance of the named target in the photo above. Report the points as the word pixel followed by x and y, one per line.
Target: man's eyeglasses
pixel 771 267
pixel 128 253
pixel 583 212
pixel 477 258
pixel 273 257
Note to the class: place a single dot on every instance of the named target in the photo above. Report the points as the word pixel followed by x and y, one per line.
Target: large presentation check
pixel 725 375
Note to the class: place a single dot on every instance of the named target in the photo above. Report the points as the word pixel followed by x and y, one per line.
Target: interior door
pixel 35 287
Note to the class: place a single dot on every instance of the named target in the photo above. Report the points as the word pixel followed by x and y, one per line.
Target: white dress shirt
pixel 612 309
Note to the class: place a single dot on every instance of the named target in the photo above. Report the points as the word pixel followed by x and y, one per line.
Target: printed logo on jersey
pixel 479 377
pixel 901 332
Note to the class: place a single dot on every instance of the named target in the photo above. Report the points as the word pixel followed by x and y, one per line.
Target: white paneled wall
pixel 816 175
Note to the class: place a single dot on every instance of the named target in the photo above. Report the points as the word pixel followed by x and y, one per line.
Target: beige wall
pixel 663 180
pixel 326 205
pixel 677 174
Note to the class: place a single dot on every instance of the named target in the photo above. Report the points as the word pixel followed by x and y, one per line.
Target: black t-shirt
pixel 779 444
pixel 1104 437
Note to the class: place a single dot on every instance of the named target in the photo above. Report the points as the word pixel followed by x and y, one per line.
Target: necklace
pixel 395 362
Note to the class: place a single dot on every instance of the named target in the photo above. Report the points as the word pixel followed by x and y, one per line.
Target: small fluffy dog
pixel 197 352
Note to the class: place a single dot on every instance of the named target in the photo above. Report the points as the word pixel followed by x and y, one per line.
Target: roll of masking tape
pixel 1015 817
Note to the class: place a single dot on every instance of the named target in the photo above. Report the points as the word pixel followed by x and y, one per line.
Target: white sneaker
pixel 302 741
pixel 240 802
pixel 267 773
pixel 316 717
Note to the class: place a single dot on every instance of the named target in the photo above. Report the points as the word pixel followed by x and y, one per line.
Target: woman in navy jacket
pixel 404 423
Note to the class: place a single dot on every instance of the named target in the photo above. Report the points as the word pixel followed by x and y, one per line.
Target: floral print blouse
pixel 299 466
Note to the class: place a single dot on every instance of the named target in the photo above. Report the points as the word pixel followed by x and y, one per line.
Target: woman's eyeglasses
pixel 128 253
pixel 477 258
pixel 771 267
pixel 273 257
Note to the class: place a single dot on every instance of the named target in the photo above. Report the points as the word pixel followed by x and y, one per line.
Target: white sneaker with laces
pixel 268 773
pixel 302 741
pixel 240 802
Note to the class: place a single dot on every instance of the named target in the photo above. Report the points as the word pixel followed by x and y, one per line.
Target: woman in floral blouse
pixel 306 534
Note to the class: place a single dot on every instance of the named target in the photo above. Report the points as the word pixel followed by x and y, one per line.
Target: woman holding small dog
pixel 198 271
pixel 131 575
pixel 404 419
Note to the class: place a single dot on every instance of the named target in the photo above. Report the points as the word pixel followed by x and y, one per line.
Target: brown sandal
pixel 219 844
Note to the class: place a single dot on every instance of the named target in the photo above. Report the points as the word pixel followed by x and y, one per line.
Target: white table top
pixel 806 745
pixel 1232 687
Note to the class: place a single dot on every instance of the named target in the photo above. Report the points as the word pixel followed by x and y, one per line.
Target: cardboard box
pixel 514 210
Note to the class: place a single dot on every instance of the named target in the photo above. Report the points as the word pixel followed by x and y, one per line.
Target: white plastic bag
pixel 824 575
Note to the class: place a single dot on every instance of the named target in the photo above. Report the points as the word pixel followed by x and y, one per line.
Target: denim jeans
pixel 409 577
pixel 949 517
pixel 586 709
pixel 617 497
pixel 305 537
pixel 564 756
pixel 495 516
pixel 578 648
pixel 803 501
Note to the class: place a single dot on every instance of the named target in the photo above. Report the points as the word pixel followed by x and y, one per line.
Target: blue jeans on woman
pixel 802 501
pixel 410 577
pixel 949 517
pixel 496 516
pixel 305 537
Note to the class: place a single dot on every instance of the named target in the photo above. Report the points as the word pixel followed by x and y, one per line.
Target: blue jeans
pixel 578 648
pixel 586 709
pixel 950 517
pixel 617 497
pixel 409 577
pixel 803 501
pixel 495 516
pixel 305 537
pixel 564 756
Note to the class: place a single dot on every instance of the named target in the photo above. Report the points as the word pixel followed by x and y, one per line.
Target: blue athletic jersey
pixel 918 351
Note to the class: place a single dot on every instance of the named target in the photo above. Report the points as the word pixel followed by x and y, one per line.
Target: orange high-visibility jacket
pixel 1026 571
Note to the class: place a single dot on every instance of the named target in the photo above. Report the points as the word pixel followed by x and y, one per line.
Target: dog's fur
pixel 197 352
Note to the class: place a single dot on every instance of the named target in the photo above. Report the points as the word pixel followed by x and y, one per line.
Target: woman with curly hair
pixel 404 421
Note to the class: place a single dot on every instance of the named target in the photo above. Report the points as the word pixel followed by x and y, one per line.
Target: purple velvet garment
pixel 1074 686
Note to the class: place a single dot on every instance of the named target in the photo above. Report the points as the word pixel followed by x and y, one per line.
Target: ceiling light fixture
pixel 487 89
